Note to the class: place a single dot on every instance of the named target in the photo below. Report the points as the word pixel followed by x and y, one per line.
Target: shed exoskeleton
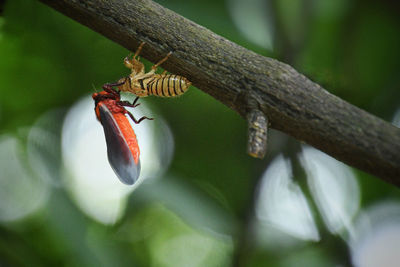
pixel 143 84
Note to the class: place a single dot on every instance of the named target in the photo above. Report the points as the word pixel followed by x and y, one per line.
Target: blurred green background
pixel 202 200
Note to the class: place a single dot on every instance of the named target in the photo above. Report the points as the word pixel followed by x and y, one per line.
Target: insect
pixel 144 84
pixel 122 146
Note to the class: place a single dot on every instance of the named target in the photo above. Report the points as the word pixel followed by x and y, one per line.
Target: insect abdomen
pixel 169 85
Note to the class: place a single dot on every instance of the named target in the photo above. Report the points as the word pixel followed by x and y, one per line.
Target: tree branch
pixel 246 81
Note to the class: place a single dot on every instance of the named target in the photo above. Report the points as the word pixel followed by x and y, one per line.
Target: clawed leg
pixel 133 118
pixel 128 104
pixel 109 86
pixel 141 119
pixel 128 61
pixel 133 105
pixel 132 63
pixel 139 49
pixel 154 67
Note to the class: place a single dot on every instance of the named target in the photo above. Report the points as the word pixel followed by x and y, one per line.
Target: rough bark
pixel 246 81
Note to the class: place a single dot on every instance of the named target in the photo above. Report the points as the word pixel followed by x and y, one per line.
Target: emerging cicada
pixel 122 146
pixel 144 84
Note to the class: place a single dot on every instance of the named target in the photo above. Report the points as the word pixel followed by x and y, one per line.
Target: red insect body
pixel 122 146
pixel 129 135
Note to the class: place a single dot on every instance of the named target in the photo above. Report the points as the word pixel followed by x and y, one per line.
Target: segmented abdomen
pixel 165 85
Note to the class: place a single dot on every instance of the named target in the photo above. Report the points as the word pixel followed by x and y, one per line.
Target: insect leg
pixel 139 49
pixel 138 121
pixel 134 101
pixel 128 62
pixel 128 104
pixel 135 105
pixel 154 67
pixel 109 86
pixel 111 92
